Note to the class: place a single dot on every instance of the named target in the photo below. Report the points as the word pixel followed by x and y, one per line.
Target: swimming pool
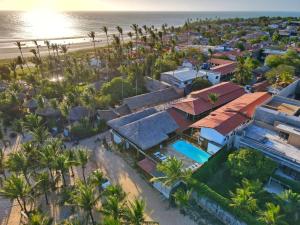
pixel 190 151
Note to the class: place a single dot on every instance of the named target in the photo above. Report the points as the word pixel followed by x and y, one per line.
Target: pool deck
pixel 170 152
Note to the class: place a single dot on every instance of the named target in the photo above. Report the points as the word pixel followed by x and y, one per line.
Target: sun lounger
pixel 156 154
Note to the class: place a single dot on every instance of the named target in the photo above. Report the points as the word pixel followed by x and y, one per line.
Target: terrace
pixel 272 144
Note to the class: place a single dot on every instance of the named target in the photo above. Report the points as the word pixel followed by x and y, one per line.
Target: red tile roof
pixel 261 86
pixel 227 118
pixel 180 119
pixel 198 102
pixel 147 165
pixel 229 53
pixel 223 67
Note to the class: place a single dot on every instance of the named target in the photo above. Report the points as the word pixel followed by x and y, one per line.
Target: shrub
pixel 250 164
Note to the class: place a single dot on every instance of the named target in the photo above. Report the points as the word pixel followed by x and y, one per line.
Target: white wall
pixel 212 135
pixel 214 78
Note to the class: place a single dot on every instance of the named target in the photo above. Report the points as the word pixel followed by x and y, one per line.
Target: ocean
pixel 72 27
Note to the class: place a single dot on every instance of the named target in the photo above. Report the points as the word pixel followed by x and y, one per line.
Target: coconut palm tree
pixel 174 172
pixel 213 99
pixel 182 198
pixel 135 28
pixel 113 207
pixel 32 121
pixel 2 163
pixel 96 178
pixel 38 218
pixel 272 215
pixel 108 220
pixel 16 188
pixel 105 30
pixel 243 199
pixel 82 156
pixel 292 203
pixel 115 191
pixel 40 135
pixel 20 63
pixel 134 213
pixel 43 184
pixel 18 162
pixel 47 43
pixel 37 48
pixel 13 68
pixel 19 45
pixel 86 199
pixel 92 35
pixel 62 164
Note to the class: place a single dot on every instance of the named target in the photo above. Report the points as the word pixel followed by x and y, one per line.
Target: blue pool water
pixel 190 151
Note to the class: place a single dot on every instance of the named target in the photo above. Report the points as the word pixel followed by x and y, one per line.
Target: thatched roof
pixel 48 112
pixel 30 104
pixel 151 99
pixel 145 129
pixel 78 112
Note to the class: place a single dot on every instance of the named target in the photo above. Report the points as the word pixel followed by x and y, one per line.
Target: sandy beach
pixel 10 53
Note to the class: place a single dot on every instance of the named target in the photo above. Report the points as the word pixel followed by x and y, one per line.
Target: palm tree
pixel 13 68
pixel 135 28
pixel 40 135
pixel 37 48
pixel 44 184
pixel 115 191
pixel 182 198
pixel 18 162
pixel 105 30
pixel 292 203
pixel 20 63
pixel 19 45
pixel 210 52
pixel 134 213
pixel 2 163
pixel 113 207
pixel 16 188
pixel 62 164
pixel 38 218
pixel 243 199
pixel 213 99
pixel 96 178
pixel 82 156
pixel 174 172
pixel 32 121
pixel 92 36
pixel 108 220
pixel 85 198
pixel 47 43
pixel 272 215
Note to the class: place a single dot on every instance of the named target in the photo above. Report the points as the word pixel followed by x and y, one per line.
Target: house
pixel 78 112
pixel 179 78
pixel 142 130
pixel 225 68
pixel 275 131
pixel 151 99
pixel 232 55
pixel 218 128
pixel 197 104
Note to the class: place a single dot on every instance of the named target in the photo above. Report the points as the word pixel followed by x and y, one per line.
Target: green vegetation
pixel 234 180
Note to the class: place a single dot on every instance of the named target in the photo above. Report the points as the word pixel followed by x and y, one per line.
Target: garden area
pixel 235 179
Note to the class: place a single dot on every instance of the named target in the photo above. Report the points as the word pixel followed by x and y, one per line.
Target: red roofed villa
pixel 197 104
pixel 218 129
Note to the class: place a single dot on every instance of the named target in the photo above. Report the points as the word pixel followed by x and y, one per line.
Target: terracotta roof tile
pixel 233 114
pixel 198 102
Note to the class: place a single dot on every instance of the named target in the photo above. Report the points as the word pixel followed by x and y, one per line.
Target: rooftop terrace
pixel 270 142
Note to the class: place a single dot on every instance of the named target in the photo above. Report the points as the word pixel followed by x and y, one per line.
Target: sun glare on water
pixel 47 24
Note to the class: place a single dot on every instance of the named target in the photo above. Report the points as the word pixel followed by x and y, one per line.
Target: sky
pixel 151 5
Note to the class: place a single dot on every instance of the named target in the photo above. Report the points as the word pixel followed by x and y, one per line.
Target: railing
pixel 253 144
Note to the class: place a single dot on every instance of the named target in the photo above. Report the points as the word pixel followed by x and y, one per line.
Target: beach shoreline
pixel 11 53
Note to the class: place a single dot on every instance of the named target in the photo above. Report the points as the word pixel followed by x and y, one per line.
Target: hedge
pixel 204 190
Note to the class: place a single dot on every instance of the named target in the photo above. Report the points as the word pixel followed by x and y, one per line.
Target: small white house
pixel 179 78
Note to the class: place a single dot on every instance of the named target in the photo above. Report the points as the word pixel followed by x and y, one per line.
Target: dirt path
pixel 121 173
